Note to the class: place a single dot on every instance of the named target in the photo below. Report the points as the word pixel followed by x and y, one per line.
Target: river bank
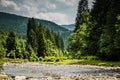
pixel 37 71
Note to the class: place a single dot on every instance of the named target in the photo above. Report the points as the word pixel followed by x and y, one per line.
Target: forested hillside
pixel 70 27
pixel 11 22
pixel 39 42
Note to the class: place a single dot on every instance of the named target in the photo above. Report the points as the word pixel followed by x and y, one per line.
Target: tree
pixel 98 19
pixel 11 42
pixel 31 33
pixel 82 7
pixel 40 38
pixel 79 39
pixel 50 36
pixel 117 39
pixel 108 50
pixel 3 36
pixel 41 41
pixel 59 41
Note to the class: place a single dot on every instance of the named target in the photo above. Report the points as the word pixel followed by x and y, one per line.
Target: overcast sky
pixel 58 11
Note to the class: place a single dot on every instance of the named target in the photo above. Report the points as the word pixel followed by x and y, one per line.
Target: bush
pixel 12 54
pixel 49 59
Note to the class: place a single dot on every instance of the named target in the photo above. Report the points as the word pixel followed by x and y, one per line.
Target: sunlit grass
pixel 13 60
pixel 86 60
pixel 52 60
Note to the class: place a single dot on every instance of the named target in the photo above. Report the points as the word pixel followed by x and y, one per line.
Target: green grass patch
pixel 13 60
pixel 53 59
pixel 91 62
pixel 84 60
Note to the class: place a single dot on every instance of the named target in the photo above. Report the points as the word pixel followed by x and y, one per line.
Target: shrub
pixel 49 59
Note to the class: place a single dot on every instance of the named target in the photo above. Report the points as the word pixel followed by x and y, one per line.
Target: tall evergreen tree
pixel 59 41
pixel 41 41
pixel 82 7
pixel 79 39
pixel 11 42
pixel 107 49
pixel 31 33
pixel 98 13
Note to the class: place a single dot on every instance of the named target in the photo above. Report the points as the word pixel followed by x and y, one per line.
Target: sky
pixel 59 11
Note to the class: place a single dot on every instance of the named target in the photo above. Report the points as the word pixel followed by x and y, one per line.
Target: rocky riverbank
pixel 36 71
pixel 78 77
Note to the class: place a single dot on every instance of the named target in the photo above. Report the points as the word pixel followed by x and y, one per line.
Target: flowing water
pixel 45 70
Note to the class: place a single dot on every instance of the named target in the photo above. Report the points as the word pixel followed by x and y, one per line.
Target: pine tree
pixel 98 13
pixel 82 7
pixel 79 39
pixel 50 36
pixel 10 42
pixel 108 51
pixel 31 33
pixel 59 41
pixel 41 41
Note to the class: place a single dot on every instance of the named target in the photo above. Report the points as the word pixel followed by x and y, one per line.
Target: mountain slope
pixel 70 27
pixel 12 22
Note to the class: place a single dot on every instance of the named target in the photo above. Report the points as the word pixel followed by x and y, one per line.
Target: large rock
pixel 3 76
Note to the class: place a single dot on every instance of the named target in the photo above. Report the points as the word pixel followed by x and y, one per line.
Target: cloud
pixel 58 18
pixel 58 11
pixel 69 2
pixel 10 4
pixel 50 5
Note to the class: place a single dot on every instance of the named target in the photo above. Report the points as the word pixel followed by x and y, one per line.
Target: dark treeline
pixel 97 30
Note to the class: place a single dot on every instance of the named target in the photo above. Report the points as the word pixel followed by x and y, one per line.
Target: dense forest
pixel 97 30
pixel 40 42
pixel 96 33
pixel 18 24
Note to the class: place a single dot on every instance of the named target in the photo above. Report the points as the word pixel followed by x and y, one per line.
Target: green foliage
pixel 82 7
pixel 49 59
pixel 108 50
pixel 43 41
pixel 98 31
pixel 117 37
pixel 3 36
pixel 11 54
pixel 59 41
pixel 18 24
pixel 11 42
pixel 79 39
pixel 89 58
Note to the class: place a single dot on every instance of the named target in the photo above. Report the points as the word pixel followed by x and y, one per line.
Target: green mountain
pixel 12 22
pixel 70 27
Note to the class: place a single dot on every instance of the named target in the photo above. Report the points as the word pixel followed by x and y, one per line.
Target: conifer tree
pixel 82 7
pixel 11 42
pixel 108 51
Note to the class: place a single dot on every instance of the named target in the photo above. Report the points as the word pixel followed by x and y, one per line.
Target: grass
pixel 84 60
pixel 13 60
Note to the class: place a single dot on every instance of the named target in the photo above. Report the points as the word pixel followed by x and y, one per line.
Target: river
pixel 38 70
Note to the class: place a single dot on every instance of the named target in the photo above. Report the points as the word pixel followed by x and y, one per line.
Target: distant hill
pixel 70 27
pixel 12 22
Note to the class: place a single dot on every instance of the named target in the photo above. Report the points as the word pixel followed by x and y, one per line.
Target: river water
pixel 45 70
